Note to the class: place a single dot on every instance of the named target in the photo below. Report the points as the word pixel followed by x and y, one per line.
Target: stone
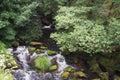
pixel 38 51
pixel 35 44
pixel 31 49
pixel 53 61
pixel 43 47
pixel 96 79
pixel 68 69
pixel 53 68
pixel 65 75
pixel 51 52
pixel 79 74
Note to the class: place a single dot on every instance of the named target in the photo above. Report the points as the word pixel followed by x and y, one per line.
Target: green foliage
pixel 6 56
pixel 2 48
pixel 80 34
pixel 32 31
pixel 6 75
pixel 49 7
pixel 13 15
pixel 114 31
pixel 42 63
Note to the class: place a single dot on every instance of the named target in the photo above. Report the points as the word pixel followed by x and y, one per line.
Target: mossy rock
pixel 96 79
pixel 36 43
pixel 53 68
pixel 79 74
pixel 31 49
pixel 53 61
pixel 51 52
pixel 38 51
pixel 15 44
pixel 68 69
pixel 65 75
pixel 43 47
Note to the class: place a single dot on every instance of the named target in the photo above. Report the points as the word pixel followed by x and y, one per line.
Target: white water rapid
pixel 25 73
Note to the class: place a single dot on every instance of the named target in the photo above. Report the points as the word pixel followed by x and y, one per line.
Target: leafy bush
pixel 114 31
pixel 77 33
pixel 42 63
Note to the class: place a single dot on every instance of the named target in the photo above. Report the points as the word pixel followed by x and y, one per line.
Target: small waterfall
pixel 22 54
pixel 25 73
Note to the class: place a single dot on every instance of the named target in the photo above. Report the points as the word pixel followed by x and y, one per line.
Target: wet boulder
pixel 53 61
pixel 65 75
pixel 31 49
pixel 69 69
pixel 51 52
pixel 43 47
pixel 53 68
pixel 38 51
pixel 35 44
pixel 79 74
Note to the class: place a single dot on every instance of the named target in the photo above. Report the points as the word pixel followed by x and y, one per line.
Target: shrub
pixel 77 33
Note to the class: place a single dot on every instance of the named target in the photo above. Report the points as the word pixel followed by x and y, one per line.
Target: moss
pixel 31 49
pixel 96 79
pixel 38 51
pixel 65 75
pixel 50 52
pixel 42 63
pixel 69 69
pixel 43 47
pixel 53 68
pixel 79 74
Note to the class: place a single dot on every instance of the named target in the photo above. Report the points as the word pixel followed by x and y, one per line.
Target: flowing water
pixel 26 73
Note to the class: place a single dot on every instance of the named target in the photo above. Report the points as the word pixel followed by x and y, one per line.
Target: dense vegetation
pixel 91 27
